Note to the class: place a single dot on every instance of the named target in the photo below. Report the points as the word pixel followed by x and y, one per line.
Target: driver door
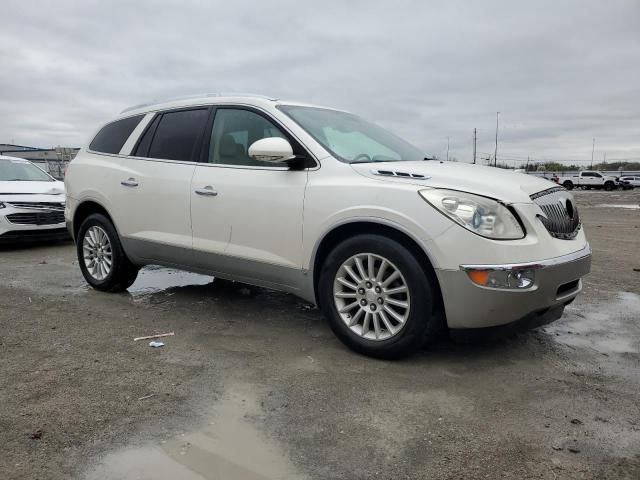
pixel 249 224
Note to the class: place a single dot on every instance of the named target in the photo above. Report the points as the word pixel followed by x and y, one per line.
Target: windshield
pixel 350 138
pixel 21 170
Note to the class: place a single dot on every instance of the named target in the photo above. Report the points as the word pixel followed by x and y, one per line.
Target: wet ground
pixel 253 385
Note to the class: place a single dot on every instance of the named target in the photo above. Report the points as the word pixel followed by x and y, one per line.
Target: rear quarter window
pixel 178 134
pixel 113 136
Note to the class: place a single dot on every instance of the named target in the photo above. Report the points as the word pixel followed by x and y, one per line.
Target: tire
pixel 608 186
pixel 116 277
pixel 568 185
pixel 420 320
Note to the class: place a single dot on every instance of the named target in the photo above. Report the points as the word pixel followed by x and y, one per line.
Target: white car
pixel 31 202
pixel 323 204
pixel 633 180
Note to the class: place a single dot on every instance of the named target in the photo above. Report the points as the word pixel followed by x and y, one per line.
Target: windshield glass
pixel 21 170
pixel 350 138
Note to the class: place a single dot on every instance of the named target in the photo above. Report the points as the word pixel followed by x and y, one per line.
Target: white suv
pixel 323 204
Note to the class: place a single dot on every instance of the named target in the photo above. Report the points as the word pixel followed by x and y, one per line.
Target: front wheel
pixel 377 297
pixel 101 257
pixel 608 186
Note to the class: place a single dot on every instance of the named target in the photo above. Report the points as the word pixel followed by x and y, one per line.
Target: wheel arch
pixel 345 230
pixel 83 210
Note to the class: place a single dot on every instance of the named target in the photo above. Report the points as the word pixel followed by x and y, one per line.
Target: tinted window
pixel 178 134
pixel 234 131
pixel 145 142
pixel 112 136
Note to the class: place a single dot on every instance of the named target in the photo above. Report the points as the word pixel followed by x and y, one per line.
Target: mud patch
pixel 154 279
pixel 628 206
pixel 609 328
pixel 229 448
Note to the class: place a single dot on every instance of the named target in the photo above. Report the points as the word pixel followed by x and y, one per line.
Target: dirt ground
pixel 254 385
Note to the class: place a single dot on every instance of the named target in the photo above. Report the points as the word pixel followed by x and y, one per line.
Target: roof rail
pixel 192 97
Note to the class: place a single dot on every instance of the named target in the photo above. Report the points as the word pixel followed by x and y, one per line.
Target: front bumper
pixel 31 229
pixel 558 281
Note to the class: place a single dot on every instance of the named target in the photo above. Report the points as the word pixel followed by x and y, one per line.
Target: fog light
pixel 511 279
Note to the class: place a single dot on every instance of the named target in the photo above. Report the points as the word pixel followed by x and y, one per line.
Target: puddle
pixel 229 448
pixel 628 206
pixel 609 328
pixel 153 279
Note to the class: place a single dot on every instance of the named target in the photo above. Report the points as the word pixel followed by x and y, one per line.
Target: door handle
pixel 129 183
pixel 207 191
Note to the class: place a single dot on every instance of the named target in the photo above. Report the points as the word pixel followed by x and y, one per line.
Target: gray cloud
pixel 560 72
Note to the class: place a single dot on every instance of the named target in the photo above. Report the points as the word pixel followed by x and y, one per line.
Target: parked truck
pixel 589 179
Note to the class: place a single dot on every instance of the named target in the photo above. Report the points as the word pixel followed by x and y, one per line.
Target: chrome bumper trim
pixel 571 257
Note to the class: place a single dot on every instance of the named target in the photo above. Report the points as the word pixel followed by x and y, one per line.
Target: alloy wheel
pixel 371 296
pixel 97 253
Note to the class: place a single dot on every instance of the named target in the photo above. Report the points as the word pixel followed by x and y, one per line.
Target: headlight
pixel 481 215
pixel 2 205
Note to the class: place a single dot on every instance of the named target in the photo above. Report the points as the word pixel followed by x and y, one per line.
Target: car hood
pixel 498 183
pixel 30 188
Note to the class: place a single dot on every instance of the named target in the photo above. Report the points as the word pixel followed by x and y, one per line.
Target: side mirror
pixel 271 149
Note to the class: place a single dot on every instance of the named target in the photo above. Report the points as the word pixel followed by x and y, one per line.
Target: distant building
pixel 52 160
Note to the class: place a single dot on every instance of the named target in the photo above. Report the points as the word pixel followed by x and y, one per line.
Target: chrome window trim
pixel 551 262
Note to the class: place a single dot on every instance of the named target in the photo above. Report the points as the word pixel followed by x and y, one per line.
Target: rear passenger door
pixel 153 198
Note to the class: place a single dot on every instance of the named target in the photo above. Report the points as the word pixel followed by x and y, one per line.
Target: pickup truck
pixel 590 179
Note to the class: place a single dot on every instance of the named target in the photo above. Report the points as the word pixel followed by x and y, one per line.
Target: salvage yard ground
pixel 255 385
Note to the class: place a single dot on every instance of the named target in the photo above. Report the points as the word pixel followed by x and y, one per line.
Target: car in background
pixel 31 202
pixel 633 180
pixel 590 179
pixel 623 184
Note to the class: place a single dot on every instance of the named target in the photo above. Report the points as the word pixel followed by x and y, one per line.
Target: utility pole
pixel 475 140
pixel 593 148
pixel 447 149
pixel 495 154
pixel 526 168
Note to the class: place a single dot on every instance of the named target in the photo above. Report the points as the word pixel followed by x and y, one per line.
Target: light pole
pixel 475 140
pixel 495 153
pixel 447 149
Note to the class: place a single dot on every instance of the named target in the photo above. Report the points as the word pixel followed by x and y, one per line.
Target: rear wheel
pixel 568 184
pixel 378 299
pixel 101 257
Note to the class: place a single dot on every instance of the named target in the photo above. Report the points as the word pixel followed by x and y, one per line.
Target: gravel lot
pixel 254 385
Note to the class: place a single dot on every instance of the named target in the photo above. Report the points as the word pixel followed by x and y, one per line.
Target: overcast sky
pixel 560 72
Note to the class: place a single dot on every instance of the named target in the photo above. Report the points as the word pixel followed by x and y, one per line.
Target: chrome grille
pixel 39 205
pixel 36 218
pixel 561 218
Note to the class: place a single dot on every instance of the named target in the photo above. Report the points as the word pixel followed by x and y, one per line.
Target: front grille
pixel 561 218
pixel 39 205
pixel 36 218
